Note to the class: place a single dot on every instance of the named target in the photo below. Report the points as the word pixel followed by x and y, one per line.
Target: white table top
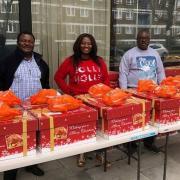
pixel 74 149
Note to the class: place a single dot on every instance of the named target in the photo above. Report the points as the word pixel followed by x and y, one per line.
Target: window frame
pixel 70 11
pixel 25 17
pixel 84 12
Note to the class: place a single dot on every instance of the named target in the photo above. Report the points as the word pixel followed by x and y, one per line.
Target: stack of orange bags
pixel 7 99
pixel 42 96
pixel 167 89
pixel 115 97
pixel 63 103
pixel 109 96
pixel 98 90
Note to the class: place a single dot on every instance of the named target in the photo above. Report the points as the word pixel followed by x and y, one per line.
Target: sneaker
pixel 100 159
pixel 35 170
pixel 81 161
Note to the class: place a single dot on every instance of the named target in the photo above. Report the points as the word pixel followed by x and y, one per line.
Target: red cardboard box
pixel 57 129
pixel 133 114
pixel 123 124
pixel 172 71
pixel 113 76
pixel 114 79
pixel 114 84
pixel 164 110
pixel 18 137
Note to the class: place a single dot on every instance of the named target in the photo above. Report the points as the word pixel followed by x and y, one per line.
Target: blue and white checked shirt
pixel 26 79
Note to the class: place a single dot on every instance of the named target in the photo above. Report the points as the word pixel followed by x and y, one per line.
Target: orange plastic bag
pixel 8 113
pixel 99 90
pixel 58 107
pixel 115 97
pixel 63 103
pixel 172 81
pixel 9 98
pixel 42 96
pixel 165 91
pixel 146 85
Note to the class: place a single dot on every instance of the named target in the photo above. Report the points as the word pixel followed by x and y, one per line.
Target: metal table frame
pixel 166 129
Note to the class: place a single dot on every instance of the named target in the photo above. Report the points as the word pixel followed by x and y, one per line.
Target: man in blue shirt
pixel 25 73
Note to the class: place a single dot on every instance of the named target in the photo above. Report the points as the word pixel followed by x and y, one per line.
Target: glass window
pixel 12 27
pixel 70 11
pixel 157 31
pixel 117 1
pixel 129 15
pixel 118 30
pixel 178 16
pixel 129 2
pixel 9 26
pixel 71 28
pixel 35 9
pixel 60 22
pixel 84 28
pixel 128 30
pixel 178 3
pixel 5 7
pixel 161 17
pixel 118 14
pixel 84 12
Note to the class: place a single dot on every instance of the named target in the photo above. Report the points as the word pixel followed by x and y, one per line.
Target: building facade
pixel 114 24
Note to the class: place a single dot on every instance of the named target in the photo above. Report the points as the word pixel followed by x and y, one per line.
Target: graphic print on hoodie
pixel 147 66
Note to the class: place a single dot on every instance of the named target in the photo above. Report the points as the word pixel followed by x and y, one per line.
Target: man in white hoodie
pixel 141 62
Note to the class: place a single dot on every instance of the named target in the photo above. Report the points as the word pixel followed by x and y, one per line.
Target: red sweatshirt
pixel 81 78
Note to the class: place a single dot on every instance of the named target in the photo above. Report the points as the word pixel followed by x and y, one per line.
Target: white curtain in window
pixel 57 24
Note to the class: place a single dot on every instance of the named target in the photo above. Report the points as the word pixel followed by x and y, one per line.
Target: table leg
pixel 165 156
pixel 105 159
pixel 129 152
pixel 139 160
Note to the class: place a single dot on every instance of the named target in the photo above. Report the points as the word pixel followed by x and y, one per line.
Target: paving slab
pixel 156 173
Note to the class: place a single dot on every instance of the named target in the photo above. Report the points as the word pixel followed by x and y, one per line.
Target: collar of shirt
pixel 29 60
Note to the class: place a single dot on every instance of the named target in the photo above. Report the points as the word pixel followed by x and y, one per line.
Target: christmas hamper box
pixel 133 114
pixel 172 71
pixel 59 129
pixel 164 110
pixel 114 79
pixel 18 136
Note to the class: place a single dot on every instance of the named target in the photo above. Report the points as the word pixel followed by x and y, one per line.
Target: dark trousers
pixel 10 175
pixel 149 141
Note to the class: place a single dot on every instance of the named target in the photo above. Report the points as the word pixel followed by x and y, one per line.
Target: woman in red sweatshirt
pixel 84 68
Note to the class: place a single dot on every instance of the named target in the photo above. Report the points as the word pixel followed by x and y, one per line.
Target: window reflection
pixel 161 17
pixel 9 26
